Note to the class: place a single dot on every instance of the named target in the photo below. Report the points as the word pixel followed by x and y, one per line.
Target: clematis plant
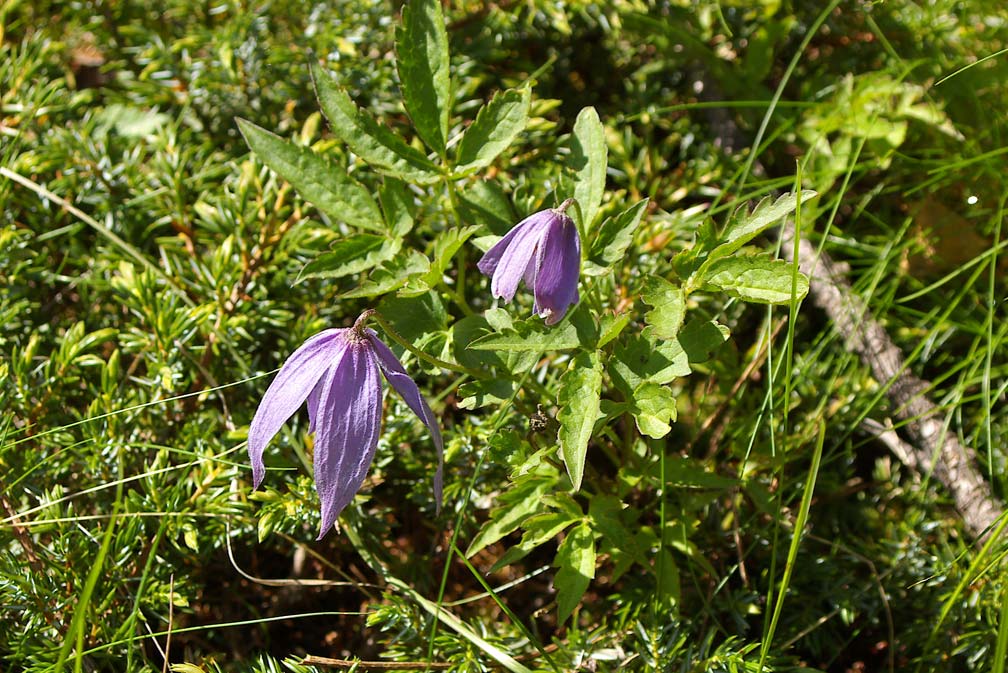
pixel 336 372
pixel 544 249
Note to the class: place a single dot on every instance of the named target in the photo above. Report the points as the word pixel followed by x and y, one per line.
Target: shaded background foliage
pixel 184 283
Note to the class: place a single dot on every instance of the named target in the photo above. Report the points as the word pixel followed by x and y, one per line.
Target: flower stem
pixel 437 362
pixel 361 321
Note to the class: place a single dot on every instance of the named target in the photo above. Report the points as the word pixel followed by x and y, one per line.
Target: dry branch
pixel 931 449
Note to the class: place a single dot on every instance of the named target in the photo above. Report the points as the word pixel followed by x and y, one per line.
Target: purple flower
pixel 545 250
pixel 336 372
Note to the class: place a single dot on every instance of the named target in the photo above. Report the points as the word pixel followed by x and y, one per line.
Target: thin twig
pixel 932 449
pixel 408 665
pixel 377 665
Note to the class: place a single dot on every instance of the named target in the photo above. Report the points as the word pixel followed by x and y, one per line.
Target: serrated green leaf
pixel 476 394
pixel 616 234
pixel 539 529
pixel 397 204
pixel 611 326
pixel 564 503
pixel 576 562
pixel 639 359
pixel 464 332
pixel 669 307
pixel 445 246
pixel 513 507
pixel 588 159
pixel 654 409
pixel 744 227
pixel 584 325
pixel 373 142
pixel 756 278
pixel 392 275
pixel 485 203
pixel 524 337
pixel 496 126
pixel 415 317
pixel 350 255
pixel 606 513
pixel 317 180
pixel 699 339
pixel 579 400
pixel 422 61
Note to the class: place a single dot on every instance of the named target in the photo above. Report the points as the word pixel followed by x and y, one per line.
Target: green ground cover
pixel 689 472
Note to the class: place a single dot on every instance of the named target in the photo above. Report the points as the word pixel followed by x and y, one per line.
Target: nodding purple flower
pixel 336 372
pixel 544 249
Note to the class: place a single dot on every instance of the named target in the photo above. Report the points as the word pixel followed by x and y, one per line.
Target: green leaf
pixel 700 338
pixel 415 317
pixel 669 302
pixel 616 234
pixel 476 394
pixel 743 227
pixel 391 276
pixel 667 578
pixel 606 512
pixel 496 126
pixel 756 278
pixel 463 333
pixel 485 203
pixel 611 326
pixel 317 180
pixel 579 401
pixel 576 562
pixel 445 246
pixel 371 141
pixel 539 529
pixel 588 159
pixel 422 61
pixel 524 337
pixel 350 255
pixel 397 204
pixel 654 409
pixel 514 507
pixel 563 502
pixel 641 359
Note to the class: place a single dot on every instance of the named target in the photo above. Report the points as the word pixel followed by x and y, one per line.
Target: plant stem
pixel 437 362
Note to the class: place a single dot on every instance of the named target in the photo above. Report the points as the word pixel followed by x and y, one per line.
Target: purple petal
pixel 347 424
pixel 513 256
pixel 313 402
pixel 488 262
pixel 558 267
pixel 292 385
pixel 407 388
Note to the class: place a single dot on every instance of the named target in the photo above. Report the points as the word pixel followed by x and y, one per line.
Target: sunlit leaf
pixel 588 159
pixel 579 401
pixel 372 141
pixel 576 562
pixel 757 278
pixel 422 61
pixel 669 302
pixel 496 126
pixel 317 180
pixel 616 234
